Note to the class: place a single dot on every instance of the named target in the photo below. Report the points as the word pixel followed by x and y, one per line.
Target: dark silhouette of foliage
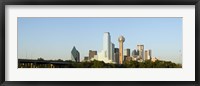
pixel 101 64
pixel 127 64
pixel 60 60
pixel 40 59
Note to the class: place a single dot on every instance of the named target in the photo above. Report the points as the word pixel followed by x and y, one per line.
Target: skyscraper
pixel 106 45
pixel 141 51
pixel 135 52
pixel 112 47
pixel 75 55
pixel 127 52
pixel 106 54
pixel 121 39
pixel 116 55
pixel 91 54
pixel 147 54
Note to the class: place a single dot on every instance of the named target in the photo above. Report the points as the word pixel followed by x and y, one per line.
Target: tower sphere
pixel 121 39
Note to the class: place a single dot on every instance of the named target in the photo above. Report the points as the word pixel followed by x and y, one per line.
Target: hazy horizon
pixel 54 38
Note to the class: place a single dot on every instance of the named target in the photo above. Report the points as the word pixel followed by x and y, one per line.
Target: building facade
pixel 148 54
pixel 141 51
pixel 92 53
pixel 107 45
pixel 75 55
pixel 116 55
pixel 127 52
pixel 107 53
pixel 112 52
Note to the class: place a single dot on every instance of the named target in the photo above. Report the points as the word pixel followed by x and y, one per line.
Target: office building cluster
pixel 110 54
pixel 140 54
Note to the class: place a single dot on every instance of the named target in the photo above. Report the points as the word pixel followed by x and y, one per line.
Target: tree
pixel 98 64
pixel 40 59
pixel 60 60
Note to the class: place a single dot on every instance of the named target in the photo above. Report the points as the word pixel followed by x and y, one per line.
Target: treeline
pixel 127 64
pixel 60 60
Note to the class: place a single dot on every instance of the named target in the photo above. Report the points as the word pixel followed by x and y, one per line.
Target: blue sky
pixel 54 38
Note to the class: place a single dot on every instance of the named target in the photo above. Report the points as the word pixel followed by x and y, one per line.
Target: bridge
pixel 29 63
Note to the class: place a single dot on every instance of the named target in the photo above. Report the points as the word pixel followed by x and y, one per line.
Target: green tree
pixel 59 60
pixel 98 64
pixel 40 59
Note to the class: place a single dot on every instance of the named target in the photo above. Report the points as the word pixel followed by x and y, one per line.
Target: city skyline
pixel 110 54
pixel 53 38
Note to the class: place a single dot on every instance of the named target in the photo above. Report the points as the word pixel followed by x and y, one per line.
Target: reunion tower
pixel 121 39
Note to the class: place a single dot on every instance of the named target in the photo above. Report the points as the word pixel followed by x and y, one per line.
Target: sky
pixel 54 38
